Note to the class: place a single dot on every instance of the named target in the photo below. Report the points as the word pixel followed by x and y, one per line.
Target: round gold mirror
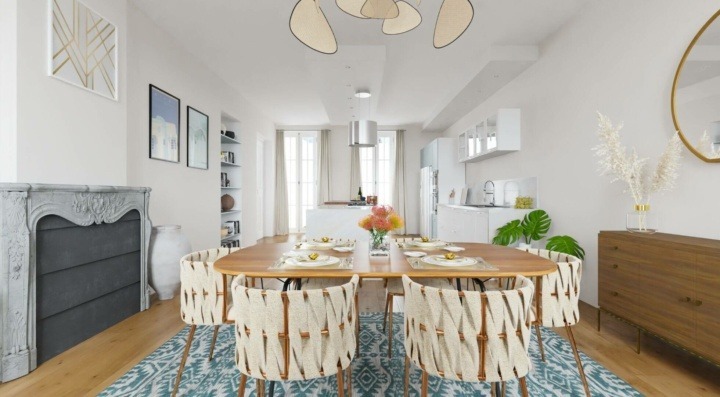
pixel 695 99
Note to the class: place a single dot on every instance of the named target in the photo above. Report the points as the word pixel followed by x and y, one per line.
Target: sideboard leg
pixel 599 311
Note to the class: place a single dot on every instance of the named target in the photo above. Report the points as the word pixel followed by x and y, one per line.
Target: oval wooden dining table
pixel 256 261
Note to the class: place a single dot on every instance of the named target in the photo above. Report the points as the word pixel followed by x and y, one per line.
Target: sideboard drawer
pixel 707 306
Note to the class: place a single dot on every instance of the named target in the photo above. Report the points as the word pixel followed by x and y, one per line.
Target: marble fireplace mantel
pixel 21 206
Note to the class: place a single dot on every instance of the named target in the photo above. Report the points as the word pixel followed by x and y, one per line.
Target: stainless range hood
pixel 362 133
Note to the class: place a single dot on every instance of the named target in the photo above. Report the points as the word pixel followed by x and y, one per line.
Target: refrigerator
pixel 428 202
pixel 441 173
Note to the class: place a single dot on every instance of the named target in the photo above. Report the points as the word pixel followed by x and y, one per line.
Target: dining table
pixel 261 262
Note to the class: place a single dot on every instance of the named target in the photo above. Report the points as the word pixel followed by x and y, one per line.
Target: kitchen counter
pixel 337 221
pixel 462 223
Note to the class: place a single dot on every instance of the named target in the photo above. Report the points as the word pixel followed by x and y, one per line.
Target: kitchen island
pixel 337 221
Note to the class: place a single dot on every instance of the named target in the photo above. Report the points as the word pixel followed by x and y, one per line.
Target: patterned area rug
pixel 373 373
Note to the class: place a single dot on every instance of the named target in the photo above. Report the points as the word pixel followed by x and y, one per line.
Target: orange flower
pixel 395 220
pixel 366 222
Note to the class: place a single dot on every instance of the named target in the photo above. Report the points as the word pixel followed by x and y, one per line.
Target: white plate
pixel 453 248
pixel 435 243
pixel 320 261
pixel 344 249
pixel 439 260
pixel 314 244
pixel 293 254
pixel 414 254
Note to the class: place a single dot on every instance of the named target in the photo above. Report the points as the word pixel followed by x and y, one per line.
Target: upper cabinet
pixel 496 135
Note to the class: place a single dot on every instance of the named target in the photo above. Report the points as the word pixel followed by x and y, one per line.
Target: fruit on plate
pixel 424 239
pixel 325 239
pixel 313 256
pixel 450 256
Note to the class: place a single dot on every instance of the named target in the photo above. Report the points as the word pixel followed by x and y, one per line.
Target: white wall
pixel 8 90
pixel 66 134
pixel 340 188
pixel 181 195
pixel 617 57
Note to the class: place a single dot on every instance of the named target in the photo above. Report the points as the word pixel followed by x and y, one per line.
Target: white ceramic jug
pixel 167 246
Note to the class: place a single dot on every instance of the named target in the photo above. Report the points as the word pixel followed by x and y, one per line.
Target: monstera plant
pixel 533 227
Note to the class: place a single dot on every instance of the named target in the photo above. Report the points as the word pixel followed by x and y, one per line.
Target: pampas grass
pixel 626 166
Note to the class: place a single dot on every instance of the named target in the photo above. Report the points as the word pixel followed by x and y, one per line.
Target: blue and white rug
pixel 373 373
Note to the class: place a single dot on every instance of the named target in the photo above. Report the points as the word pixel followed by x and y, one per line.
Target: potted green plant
pixel 533 227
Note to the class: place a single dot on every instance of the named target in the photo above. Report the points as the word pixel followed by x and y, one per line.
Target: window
pixel 301 162
pixel 377 168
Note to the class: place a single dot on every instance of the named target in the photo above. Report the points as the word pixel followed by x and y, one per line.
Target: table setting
pixel 311 260
pixel 326 243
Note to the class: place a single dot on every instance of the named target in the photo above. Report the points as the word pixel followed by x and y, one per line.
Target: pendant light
pixel 453 20
pixel 309 24
pixel 362 133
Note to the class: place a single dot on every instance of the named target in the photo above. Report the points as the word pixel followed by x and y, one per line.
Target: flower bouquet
pixel 379 223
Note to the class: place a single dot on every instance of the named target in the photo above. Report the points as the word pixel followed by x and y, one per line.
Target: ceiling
pixel 249 45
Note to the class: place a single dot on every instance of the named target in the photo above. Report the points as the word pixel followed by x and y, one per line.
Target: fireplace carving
pixel 21 206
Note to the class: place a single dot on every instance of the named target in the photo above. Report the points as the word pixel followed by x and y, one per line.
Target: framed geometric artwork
pixel 197 139
pixel 164 126
pixel 83 48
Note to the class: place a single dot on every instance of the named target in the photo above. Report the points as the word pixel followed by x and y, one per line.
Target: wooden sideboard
pixel 664 284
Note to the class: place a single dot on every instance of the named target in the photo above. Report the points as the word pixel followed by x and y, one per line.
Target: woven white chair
pixel 558 306
pixel 202 300
pixel 394 288
pixel 294 335
pixel 468 335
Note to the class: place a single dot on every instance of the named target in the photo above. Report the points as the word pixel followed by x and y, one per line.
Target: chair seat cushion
pixel 395 287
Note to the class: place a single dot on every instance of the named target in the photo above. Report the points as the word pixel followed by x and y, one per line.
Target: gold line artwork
pixel 84 47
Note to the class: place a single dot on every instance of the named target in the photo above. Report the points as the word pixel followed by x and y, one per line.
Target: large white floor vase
pixel 167 245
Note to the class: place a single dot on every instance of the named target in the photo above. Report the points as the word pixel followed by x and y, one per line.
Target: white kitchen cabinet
pixel 463 224
pixel 494 136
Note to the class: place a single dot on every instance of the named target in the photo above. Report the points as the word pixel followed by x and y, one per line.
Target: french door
pixel 301 162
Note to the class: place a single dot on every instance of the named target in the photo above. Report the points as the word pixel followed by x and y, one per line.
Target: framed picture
pixel 83 48
pixel 164 126
pixel 197 139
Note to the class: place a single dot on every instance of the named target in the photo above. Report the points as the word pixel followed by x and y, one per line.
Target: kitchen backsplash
pixel 506 190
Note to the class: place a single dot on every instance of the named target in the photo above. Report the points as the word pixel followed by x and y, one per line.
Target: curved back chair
pixel 394 288
pixel 468 335
pixel 294 335
pixel 202 299
pixel 560 294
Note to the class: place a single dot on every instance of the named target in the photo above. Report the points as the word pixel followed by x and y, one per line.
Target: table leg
pixel 225 297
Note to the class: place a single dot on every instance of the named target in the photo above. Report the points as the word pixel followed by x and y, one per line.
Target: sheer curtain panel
pixel 323 193
pixel 281 199
pixel 399 180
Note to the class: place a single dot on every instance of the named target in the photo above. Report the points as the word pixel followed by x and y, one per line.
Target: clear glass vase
pixel 642 220
pixel 378 244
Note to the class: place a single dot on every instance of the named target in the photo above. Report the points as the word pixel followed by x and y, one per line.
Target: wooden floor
pixel 86 369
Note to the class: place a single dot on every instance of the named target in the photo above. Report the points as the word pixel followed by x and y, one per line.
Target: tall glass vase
pixel 642 220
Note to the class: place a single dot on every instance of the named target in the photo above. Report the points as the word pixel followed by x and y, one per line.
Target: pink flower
pixel 381 210
pixel 383 224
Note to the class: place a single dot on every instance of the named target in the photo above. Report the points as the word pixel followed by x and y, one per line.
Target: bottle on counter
pixel 360 196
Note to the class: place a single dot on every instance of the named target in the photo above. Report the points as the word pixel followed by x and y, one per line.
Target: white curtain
pixel 355 178
pixel 399 179
pixel 323 185
pixel 281 198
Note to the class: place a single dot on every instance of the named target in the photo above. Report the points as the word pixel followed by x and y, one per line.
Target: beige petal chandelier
pixel 309 24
